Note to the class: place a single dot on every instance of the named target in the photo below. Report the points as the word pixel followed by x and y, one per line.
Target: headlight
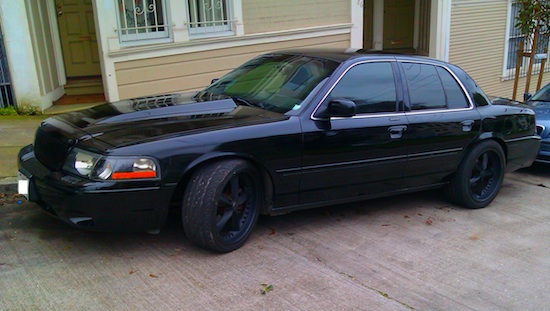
pixel 98 167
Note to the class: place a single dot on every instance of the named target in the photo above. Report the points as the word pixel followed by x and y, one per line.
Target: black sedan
pixel 540 103
pixel 283 132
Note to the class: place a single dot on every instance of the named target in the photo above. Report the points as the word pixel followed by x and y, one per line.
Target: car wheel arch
pixel 478 140
pixel 492 136
pixel 207 159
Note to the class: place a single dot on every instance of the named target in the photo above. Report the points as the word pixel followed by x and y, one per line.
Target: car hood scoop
pixel 148 108
pixel 141 119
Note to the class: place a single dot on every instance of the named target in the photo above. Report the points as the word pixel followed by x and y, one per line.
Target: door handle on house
pixel 397 131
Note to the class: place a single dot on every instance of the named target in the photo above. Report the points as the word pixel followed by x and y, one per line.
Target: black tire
pixel 221 205
pixel 479 176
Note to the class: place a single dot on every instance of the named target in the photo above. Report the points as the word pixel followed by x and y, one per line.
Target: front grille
pixel 50 150
pixel 540 129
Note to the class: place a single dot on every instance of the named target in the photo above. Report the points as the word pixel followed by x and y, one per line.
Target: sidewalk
pixel 17 132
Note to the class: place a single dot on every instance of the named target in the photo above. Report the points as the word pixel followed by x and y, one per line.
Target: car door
pixel 363 155
pixel 442 122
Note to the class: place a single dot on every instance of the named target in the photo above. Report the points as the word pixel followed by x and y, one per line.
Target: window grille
pixel 210 17
pixel 515 36
pixel 142 20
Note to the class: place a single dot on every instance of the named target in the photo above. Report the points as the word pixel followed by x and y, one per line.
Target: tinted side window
pixel 425 88
pixel 371 86
pixel 455 96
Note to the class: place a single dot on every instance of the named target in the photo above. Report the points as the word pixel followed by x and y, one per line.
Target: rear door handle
pixel 397 131
pixel 467 125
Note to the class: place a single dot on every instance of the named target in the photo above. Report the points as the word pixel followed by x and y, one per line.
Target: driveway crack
pixel 385 295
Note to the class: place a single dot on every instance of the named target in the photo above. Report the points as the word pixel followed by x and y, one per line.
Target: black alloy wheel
pixel 236 207
pixel 221 205
pixel 485 175
pixel 479 176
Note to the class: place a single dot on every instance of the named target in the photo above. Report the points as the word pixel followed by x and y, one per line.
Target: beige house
pixel 483 41
pixel 132 48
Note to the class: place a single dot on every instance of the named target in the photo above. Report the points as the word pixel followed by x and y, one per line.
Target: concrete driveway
pixel 412 252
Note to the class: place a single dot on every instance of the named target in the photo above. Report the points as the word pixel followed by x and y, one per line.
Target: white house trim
pixel 440 29
pixel 357 22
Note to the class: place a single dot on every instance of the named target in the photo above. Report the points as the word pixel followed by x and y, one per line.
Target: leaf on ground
pixel 266 288
pixel 132 271
pixel 152 275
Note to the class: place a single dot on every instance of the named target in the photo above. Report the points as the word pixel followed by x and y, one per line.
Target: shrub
pixel 28 110
pixel 8 111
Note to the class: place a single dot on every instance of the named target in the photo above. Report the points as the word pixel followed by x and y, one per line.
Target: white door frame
pixel 440 26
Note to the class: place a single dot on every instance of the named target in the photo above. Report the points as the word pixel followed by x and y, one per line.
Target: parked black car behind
pixel 285 131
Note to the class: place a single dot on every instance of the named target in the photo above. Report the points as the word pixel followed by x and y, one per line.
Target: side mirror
pixel 214 81
pixel 527 96
pixel 341 107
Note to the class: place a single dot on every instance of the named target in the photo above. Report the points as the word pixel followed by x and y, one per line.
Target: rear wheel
pixel 221 205
pixel 479 176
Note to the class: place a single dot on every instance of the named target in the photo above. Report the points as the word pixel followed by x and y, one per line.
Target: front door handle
pixel 397 131
pixel 467 125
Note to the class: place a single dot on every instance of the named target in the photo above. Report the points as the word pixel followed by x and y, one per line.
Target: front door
pixel 349 158
pixel 398 24
pixel 78 37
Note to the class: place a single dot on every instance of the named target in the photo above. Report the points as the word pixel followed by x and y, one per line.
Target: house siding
pixel 477 44
pixel 268 16
pixel 192 71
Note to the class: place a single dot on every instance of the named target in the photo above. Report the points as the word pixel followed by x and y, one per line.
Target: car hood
pixel 541 108
pixel 144 119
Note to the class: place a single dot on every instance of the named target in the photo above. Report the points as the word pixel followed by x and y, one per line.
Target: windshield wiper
pixel 247 102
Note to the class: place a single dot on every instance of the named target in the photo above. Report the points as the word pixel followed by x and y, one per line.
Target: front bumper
pixel 544 151
pixel 102 206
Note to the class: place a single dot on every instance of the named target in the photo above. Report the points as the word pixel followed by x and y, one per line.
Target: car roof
pixel 342 55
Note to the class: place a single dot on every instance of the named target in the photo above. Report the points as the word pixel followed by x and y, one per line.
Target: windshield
pixel 274 82
pixel 542 95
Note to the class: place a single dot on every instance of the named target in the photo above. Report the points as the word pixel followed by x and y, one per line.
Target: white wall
pixel 22 63
pixel 21 60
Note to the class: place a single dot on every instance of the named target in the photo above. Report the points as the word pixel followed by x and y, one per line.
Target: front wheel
pixel 479 176
pixel 221 205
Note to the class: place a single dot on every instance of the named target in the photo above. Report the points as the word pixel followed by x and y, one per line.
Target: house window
pixel 515 36
pixel 210 18
pixel 142 20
